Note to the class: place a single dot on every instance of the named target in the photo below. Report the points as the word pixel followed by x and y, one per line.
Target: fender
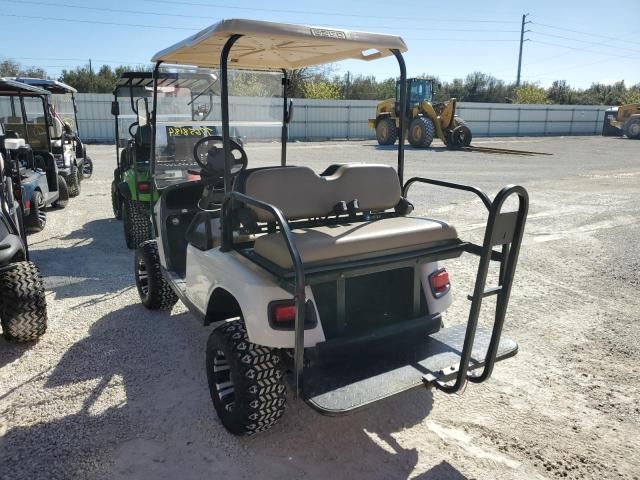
pixel 123 189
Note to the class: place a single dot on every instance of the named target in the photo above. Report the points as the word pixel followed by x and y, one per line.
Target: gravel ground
pixel 113 391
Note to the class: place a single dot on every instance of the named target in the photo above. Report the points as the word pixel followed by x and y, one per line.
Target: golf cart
pixel 132 195
pixel 24 115
pixel 323 282
pixel 23 307
pixel 73 169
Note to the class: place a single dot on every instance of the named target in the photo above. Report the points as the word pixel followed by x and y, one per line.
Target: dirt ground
pixel 113 391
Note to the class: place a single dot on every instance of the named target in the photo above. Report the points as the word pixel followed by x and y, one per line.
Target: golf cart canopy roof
pixel 278 46
pixel 11 87
pixel 52 86
pixel 196 82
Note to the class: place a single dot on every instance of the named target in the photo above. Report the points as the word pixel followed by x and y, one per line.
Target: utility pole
pixel 91 71
pixel 522 40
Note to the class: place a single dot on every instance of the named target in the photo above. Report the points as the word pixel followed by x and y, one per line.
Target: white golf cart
pixel 324 282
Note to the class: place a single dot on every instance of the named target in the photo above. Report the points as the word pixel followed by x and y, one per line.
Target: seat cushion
pixel 337 242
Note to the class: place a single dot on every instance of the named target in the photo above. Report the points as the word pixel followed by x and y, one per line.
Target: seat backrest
pixel 300 193
pixel 56 129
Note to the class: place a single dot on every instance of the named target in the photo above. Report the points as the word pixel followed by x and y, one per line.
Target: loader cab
pixel 418 90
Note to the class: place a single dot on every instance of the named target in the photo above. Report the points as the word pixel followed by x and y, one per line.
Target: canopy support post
pixel 403 112
pixel 285 119
pixel 224 106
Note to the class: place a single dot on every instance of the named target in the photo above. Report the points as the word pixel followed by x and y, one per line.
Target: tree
pixel 321 89
pixel 11 68
pixel 529 93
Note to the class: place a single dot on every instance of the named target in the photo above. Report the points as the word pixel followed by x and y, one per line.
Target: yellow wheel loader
pixel 425 120
pixel 628 120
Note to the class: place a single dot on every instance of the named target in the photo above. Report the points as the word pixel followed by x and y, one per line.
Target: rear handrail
pixel 508 261
pixel 298 268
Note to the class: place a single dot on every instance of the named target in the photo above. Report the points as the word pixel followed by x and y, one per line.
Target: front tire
pixel 386 131
pixel 23 307
pixel 116 201
pixel 73 181
pixel 37 218
pixel 421 132
pixel 87 168
pixel 135 220
pixel 632 130
pixel 63 193
pixel 155 292
pixel 245 380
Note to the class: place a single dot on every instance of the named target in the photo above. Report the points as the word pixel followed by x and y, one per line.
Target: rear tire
pixel 63 193
pixel 632 129
pixel 37 218
pixel 421 132
pixel 87 168
pixel 461 136
pixel 23 307
pixel 155 292
pixel 386 131
pixel 245 380
pixel 116 201
pixel 73 181
pixel 137 228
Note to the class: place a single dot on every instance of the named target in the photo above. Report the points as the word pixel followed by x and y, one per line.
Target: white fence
pixel 258 118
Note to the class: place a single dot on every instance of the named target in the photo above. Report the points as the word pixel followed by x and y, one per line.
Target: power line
pixel 590 34
pixel 582 49
pixel 582 41
pixel 98 22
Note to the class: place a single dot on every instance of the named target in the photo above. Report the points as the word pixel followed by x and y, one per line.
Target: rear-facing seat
pixel 301 194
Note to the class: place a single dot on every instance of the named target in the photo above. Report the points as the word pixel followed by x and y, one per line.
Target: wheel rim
pixel 87 168
pixel 225 388
pixel 416 131
pixel 143 277
pixel 634 129
pixel 384 131
pixel 42 215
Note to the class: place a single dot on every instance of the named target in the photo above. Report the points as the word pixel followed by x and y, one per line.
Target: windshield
pixel 64 107
pixel 188 109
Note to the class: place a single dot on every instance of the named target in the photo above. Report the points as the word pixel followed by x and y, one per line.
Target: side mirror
pixel 142 106
pixel 289 112
pixel 115 108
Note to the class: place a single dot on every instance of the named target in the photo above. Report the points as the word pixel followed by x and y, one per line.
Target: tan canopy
pixel 276 46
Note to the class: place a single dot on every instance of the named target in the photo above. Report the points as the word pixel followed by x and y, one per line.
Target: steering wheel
pixel 209 154
pixel 134 124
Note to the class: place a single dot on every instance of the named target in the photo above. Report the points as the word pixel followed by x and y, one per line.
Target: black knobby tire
pixel 386 131
pixel 632 129
pixel 73 181
pixel 155 292
pixel 116 201
pixel 23 307
pixel 137 227
pixel 37 218
pixel 87 167
pixel 461 136
pixel 421 132
pixel 63 193
pixel 245 380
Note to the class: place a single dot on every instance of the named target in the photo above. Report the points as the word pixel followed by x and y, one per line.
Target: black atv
pixel 23 308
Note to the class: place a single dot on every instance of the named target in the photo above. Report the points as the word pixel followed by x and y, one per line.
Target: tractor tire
pixel 73 181
pixel 421 132
pixel 37 218
pixel 87 168
pixel 135 220
pixel 632 129
pixel 23 307
pixel 63 193
pixel 386 131
pixel 245 380
pixel 461 136
pixel 116 201
pixel 155 292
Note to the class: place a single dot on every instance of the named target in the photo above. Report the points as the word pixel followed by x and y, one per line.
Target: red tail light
pixel 144 187
pixel 283 313
pixel 439 282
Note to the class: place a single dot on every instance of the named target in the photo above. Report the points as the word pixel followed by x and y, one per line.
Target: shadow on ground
pixel 142 409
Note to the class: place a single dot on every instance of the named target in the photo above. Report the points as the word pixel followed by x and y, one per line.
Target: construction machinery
pixel 627 120
pixel 426 120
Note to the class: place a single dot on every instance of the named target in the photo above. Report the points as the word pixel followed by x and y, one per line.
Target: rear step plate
pixel 355 382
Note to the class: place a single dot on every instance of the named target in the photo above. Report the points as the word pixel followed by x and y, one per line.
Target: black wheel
pixel 87 168
pixel 421 132
pixel 386 131
pixel 461 136
pixel 37 218
pixel 73 181
pixel 23 307
pixel 245 380
pixel 63 192
pixel 632 129
pixel 116 201
pixel 155 293
pixel 135 220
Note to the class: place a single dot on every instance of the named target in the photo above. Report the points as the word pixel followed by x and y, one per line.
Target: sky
pixel 577 41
